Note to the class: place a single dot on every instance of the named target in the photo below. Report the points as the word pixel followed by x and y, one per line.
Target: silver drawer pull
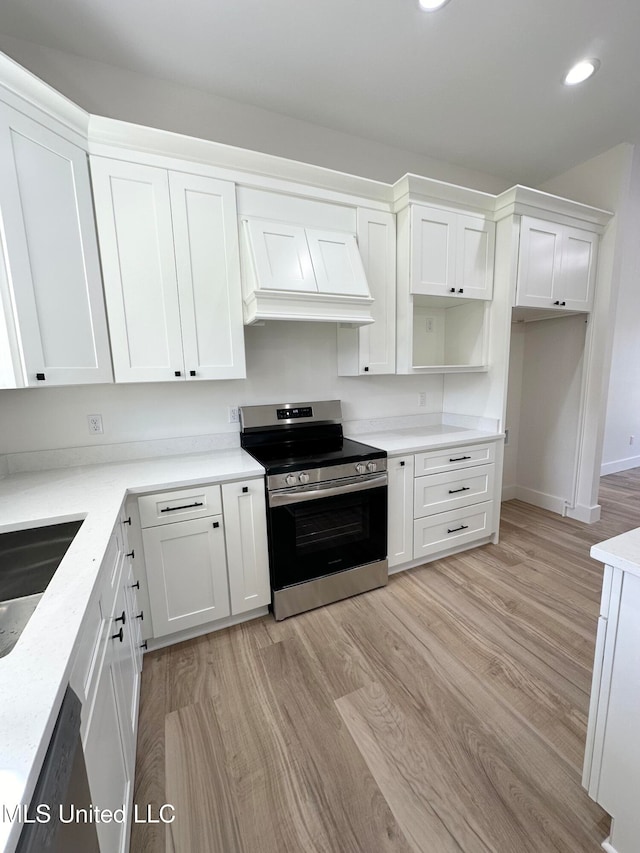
pixel 456 529
pixel 459 458
pixel 185 506
pixel 463 489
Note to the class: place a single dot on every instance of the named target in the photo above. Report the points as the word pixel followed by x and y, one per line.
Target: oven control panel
pixel 291 414
pixel 325 474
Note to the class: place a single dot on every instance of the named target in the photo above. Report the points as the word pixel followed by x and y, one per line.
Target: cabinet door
pixel 578 271
pixel 475 249
pixel 109 778
pixel 539 263
pixel 433 251
pixel 133 213
pixel 208 269
pixel 400 520
pixel 245 522
pixel 337 263
pixel 281 256
pixel 187 574
pixel 372 348
pixel 51 256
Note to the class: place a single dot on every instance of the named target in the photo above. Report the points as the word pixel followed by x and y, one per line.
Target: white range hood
pixel 291 272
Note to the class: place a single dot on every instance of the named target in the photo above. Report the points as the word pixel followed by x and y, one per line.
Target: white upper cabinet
pixel 208 267
pixel 133 212
pixel 171 272
pixel 556 266
pixel 451 254
pixel 54 325
pixel 371 349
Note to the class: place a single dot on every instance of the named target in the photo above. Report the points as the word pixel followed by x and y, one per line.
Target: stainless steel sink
pixel 28 561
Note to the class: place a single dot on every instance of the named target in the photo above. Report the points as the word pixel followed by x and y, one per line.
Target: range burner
pixel 327 504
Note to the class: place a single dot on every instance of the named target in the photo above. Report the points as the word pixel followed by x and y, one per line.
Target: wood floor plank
pixel 553 704
pixel 352 808
pixel 505 777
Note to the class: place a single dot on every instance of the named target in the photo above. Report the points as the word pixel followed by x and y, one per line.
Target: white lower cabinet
pixel 106 676
pixel 445 530
pixel 110 780
pixel 186 573
pixel 612 752
pixel 448 508
pixel 206 555
pixel 400 513
pixel 246 535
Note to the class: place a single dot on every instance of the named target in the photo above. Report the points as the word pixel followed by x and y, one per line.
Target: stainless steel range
pixel 326 504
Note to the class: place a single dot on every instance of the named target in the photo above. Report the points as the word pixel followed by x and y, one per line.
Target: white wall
pixel 550 409
pixel 623 404
pixel 117 93
pixel 612 181
pixel 285 362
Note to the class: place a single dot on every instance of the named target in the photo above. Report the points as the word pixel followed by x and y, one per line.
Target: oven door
pixel 326 528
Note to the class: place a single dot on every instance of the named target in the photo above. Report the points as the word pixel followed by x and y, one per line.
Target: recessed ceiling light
pixel 432 5
pixel 581 71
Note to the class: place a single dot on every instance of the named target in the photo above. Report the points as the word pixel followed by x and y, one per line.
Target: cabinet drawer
pixel 167 507
pixel 452 529
pixel 442 492
pixel 435 461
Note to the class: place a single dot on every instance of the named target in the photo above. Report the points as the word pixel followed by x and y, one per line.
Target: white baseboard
pixel 541 499
pixel 606 845
pixel 619 465
pixel 588 514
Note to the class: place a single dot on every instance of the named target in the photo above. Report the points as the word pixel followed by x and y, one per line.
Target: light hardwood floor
pixel 445 712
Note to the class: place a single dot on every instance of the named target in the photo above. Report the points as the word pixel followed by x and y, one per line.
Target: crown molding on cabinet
pixel 23 91
pixel 530 202
pixel 119 140
pixel 414 189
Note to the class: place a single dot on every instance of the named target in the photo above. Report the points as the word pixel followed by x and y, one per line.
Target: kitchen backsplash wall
pixel 286 362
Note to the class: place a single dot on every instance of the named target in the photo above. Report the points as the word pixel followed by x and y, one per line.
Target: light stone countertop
pixel 621 552
pixel 35 674
pixel 397 442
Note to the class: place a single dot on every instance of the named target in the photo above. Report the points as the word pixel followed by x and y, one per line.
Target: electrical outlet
pixel 428 324
pixel 95 424
pixel 506 437
pixel 632 439
pixel 234 415
pixel 422 398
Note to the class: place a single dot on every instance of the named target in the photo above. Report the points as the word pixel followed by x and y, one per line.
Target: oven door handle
pixel 312 493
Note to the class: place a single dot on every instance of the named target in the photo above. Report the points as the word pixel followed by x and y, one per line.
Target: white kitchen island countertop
pixel 35 674
pixel 421 438
pixel 621 552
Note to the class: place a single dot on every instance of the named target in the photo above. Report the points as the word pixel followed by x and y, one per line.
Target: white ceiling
pixel 477 83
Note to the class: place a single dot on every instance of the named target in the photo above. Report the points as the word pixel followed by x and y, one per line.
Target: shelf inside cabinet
pixel 449 334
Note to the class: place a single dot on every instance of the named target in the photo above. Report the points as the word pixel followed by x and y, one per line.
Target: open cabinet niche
pixel 444 335
pixel 544 410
